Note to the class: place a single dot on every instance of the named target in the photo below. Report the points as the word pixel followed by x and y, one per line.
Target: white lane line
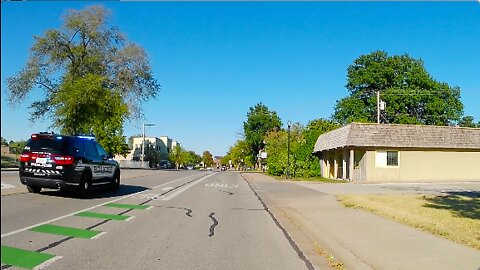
pixel 47 263
pixel 88 209
pixel 174 194
pixel 98 235
pixel 9 172
pixel 7 186
pixel 130 218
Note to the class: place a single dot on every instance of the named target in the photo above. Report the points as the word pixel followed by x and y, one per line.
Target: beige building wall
pixel 425 165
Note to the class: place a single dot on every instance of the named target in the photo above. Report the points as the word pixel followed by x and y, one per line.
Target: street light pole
pixel 143 141
pixel 288 147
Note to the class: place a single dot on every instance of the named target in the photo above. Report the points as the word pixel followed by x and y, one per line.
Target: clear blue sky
pixel 214 60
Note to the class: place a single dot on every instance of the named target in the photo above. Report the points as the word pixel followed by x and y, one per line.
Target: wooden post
pixel 351 165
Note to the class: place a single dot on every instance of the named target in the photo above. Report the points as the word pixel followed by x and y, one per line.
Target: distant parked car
pixel 164 164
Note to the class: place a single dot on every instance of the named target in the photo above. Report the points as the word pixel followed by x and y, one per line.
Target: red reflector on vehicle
pixel 62 160
pixel 25 157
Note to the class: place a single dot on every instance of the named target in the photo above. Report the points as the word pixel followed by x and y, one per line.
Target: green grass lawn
pixel 454 216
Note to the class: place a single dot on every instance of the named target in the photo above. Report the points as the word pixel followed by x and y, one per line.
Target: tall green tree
pixel 467 121
pixel 207 158
pixel 277 149
pixel 411 94
pixel 306 164
pixel 178 156
pixel 302 142
pixel 240 154
pixel 260 120
pixel 86 69
pixel 192 158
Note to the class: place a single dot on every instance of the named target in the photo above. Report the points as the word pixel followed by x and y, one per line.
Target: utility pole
pixel 288 151
pixel 378 107
pixel 143 141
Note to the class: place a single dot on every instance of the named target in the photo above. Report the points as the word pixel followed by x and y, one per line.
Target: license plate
pixel 39 174
pixel 41 160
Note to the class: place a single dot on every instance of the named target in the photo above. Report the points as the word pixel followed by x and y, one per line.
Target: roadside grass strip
pixel 67 231
pixel 127 206
pixel 103 216
pixel 26 258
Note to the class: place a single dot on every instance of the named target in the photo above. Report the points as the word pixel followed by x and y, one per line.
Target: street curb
pixel 9 169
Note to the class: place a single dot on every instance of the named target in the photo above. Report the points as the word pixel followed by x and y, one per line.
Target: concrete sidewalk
pixel 357 238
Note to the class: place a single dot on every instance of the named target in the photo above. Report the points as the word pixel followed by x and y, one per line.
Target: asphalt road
pixel 194 220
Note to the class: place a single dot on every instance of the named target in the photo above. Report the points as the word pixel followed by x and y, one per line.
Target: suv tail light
pixel 25 157
pixel 62 160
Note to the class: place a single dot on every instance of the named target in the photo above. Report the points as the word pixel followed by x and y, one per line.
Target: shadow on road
pixel 461 203
pixel 97 193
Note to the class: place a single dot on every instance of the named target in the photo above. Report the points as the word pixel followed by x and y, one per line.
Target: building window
pixel 386 159
pixel 392 158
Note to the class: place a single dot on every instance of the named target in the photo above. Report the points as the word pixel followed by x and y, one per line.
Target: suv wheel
pixel 85 182
pixel 34 189
pixel 115 183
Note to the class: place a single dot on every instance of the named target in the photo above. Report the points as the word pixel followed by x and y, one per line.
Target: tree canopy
pixel 92 77
pixel 260 120
pixel 412 96
pixel 302 142
pixel 178 156
pixel 207 158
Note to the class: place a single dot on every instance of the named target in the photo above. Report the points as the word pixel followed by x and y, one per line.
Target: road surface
pixel 156 220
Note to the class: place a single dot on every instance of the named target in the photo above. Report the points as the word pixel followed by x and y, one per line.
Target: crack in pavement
pixel 215 223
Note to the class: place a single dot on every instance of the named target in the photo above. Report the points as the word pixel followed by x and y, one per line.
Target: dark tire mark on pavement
pixel 215 223
pixel 229 193
pixel 188 213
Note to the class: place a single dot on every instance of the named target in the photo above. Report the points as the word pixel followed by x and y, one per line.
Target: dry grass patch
pixel 454 216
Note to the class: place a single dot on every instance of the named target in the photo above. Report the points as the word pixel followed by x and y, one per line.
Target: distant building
pixel 174 144
pixel 163 144
pixel 382 153
pixel 5 150
pixel 167 144
pixel 217 161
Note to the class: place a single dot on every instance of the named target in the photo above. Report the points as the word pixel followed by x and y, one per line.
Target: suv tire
pixel 34 189
pixel 115 183
pixel 85 183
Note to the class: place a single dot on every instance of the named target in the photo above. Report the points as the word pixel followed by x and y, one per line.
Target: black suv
pixel 66 162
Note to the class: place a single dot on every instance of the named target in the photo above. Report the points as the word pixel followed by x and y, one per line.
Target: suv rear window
pixel 47 144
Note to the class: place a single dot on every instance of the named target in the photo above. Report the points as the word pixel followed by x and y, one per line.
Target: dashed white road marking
pixel 174 194
pixel 48 262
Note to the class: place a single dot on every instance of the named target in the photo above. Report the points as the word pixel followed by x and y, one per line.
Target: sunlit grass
pixel 311 179
pixel 453 216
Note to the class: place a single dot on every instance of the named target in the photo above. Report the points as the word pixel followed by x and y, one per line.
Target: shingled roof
pixel 399 136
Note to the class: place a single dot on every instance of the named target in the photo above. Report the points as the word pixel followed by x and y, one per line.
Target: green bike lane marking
pixel 25 258
pixel 68 231
pixel 104 216
pixel 127 206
